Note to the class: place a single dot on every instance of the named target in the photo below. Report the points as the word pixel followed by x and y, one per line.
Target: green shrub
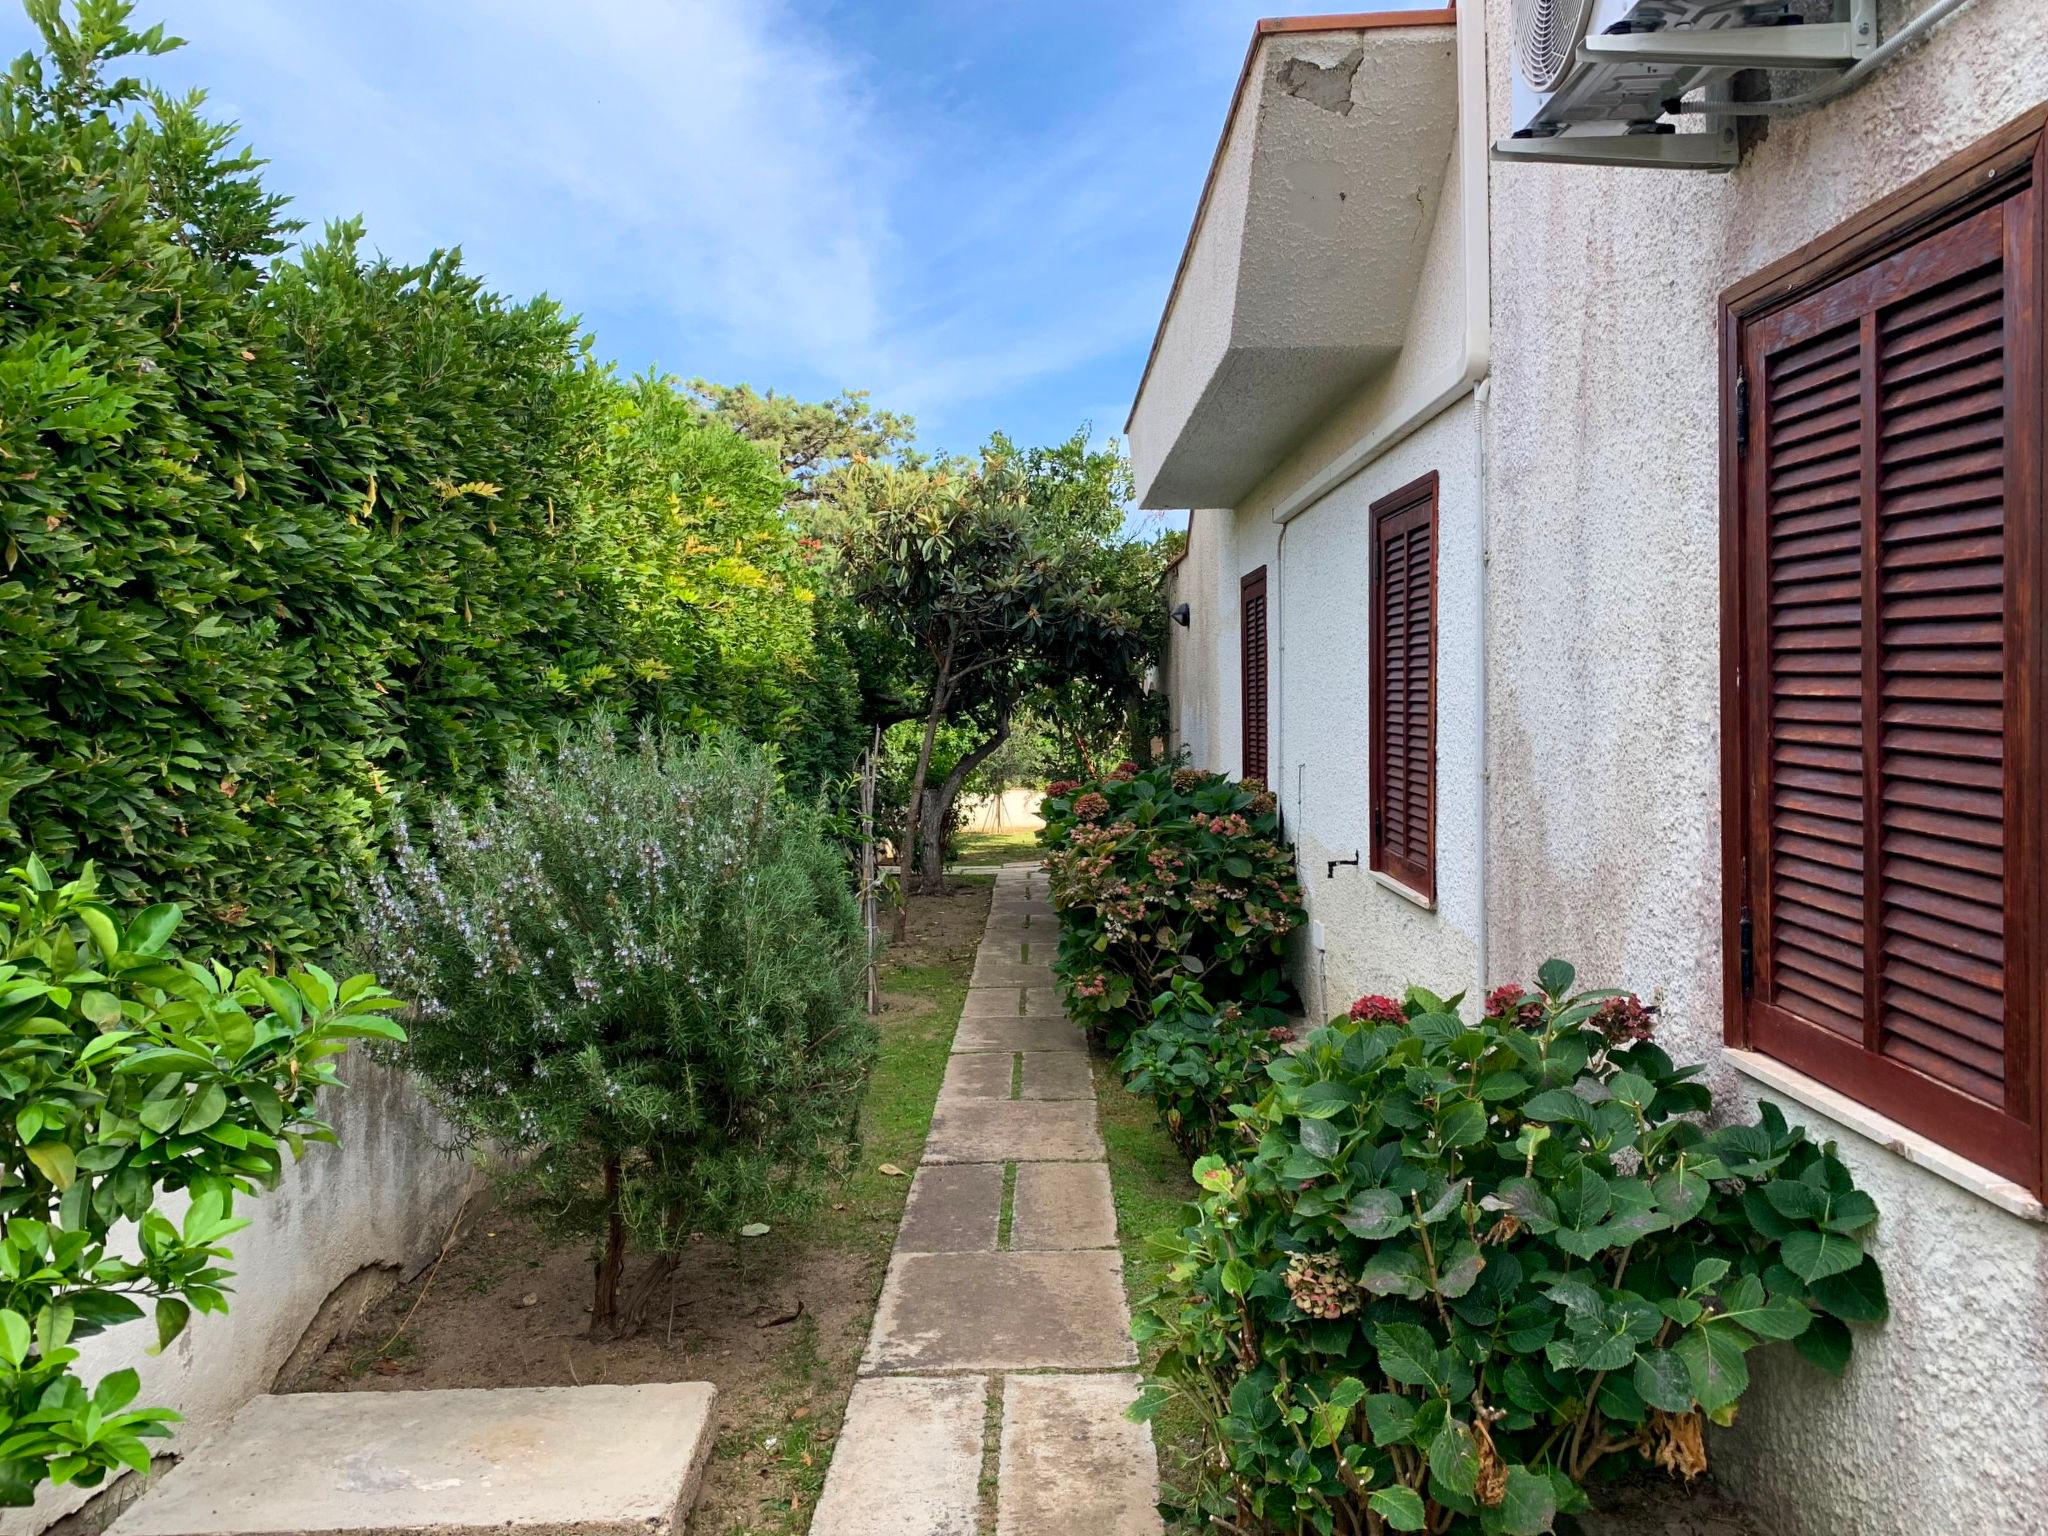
pixel 1164 872
pixel 282 547
pixel 1197 1058
pixel 128 1072
pixel 1471 1268
pixel 638 972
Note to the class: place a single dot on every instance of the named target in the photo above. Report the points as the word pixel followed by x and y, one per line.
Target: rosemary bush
pixel 636 970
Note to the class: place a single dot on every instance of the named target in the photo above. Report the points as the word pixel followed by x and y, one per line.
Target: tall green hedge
pixel 285 542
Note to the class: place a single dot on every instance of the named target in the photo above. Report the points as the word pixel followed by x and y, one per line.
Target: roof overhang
pixel 1296 283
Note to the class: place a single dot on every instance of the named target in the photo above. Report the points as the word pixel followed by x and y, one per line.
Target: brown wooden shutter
pixel 1254 661
pixel 1888 553
pixel 1403 702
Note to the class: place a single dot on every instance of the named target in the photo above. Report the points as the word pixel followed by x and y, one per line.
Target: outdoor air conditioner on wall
pixel 1592 77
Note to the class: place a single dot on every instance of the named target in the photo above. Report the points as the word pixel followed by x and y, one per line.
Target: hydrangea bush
pixel 1197 1058
pixel 639 971
pixel 1461 1272
pixel 1163 872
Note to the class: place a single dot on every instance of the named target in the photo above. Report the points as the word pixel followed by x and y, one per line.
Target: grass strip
pixel 1149 1183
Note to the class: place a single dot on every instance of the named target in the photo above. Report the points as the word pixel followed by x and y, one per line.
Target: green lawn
pixel 1150 1182
pixel 995 847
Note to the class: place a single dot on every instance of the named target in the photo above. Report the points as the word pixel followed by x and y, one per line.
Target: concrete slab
pixel 908 1460
pixel 1035 914
pixel 953 1208
pixel 1070 1461
pixel 551 1461
pixel 1057 1075
pixel 1044 1000
pixel 1018 1033
pixel 1001 1312
pixel 993 1003
pixel 1013 1131
pixel 978 1075
pixel 1062 1205
pixel 999 970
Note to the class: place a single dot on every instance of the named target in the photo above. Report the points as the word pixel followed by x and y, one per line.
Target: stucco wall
pixel 1605 734
pixel 1378 940
pixel 385 1196
pixel 1203 711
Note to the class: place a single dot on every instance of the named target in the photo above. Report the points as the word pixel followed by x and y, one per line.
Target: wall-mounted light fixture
pixel 1180 615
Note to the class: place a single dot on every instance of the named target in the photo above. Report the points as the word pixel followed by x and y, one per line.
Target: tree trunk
pixel 915 802
pixel 942 804
pixel 611 1264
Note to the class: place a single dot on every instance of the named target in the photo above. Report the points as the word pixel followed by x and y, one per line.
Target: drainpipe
pixel 1482 393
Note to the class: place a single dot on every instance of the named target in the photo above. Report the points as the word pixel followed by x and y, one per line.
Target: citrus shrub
pixel 128 1072
pixel 1161 872
pixel 1471 1269
pixel 638 972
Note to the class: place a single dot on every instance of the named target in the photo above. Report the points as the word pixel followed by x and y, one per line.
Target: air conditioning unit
pixel 1592 77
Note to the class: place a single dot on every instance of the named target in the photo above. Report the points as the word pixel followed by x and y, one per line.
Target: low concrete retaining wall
pixel 384 1197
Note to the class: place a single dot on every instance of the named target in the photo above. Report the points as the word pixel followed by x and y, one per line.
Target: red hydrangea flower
pixel 1091 805
pixel 1378 1009
pixel 1624 1020
pixel 1512 1004
pixel 1060 788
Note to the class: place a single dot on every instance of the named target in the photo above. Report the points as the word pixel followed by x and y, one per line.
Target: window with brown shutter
pixel 1885 660
pixel 1403 702
pixel 1253 659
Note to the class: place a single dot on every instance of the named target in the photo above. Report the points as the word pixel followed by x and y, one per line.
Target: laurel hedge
pixel 286 541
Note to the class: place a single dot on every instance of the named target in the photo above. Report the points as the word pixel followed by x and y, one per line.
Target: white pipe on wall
pixel 1482 393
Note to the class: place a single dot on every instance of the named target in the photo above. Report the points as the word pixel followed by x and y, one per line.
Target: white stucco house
pixel 1644 564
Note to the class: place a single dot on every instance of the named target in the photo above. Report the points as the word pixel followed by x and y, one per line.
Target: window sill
pixel 1407 893
pixel 1915 1148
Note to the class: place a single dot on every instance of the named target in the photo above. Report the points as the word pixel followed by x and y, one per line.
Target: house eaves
pixel 1295 283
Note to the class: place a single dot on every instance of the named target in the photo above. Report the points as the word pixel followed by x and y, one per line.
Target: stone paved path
pixel 1002 1344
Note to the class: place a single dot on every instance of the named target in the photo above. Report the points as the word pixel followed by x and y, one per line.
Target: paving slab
pixel 953 1208
pixel 979 1075
pixel 1044 1000
pixel 908 1460
pixel 1062 1205
pixel 1018 1033
pixel 1056 1075
pixel 993 1003
pixel 1013 1131
pixel 1001 1312
pixel 550 1461
pixel 1070 1461
pixel 1044 943
pixel 1009 971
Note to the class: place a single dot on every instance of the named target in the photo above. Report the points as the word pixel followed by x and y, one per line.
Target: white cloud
pixel 713 159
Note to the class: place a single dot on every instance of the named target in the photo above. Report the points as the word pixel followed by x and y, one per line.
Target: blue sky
pixel 972 208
